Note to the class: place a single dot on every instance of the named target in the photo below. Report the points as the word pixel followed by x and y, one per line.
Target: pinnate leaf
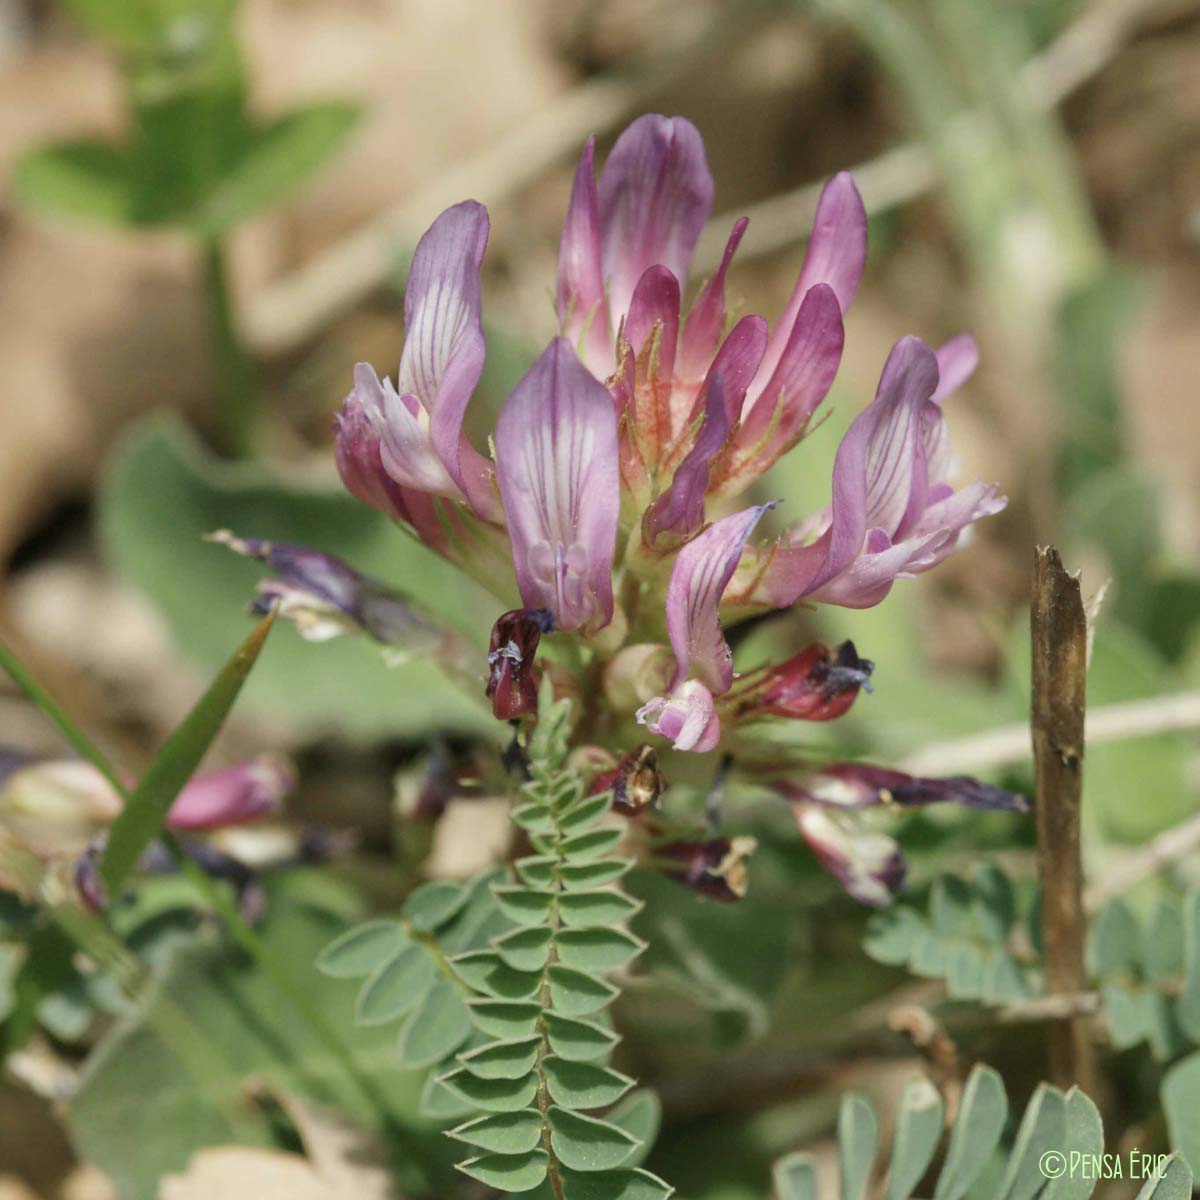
pixel 583 1085
pixel 492 1095
pixel 503 1133
pixel 436 1028
pixel 586 1144
pixel 507 1020
pixel 615 1185
pixel 361 950
pixel 576 993
pixel 508 1172
pixel 976 1133
pixel 502 1060
pixel 915 1138
pixel 433 904
pixel 395 986
pixel 484 971
pixel 597 949
pixel 578 1041
pixel 525 949
pixel 597 908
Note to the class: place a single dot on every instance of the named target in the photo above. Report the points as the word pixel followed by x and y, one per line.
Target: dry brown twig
pixel 1059 639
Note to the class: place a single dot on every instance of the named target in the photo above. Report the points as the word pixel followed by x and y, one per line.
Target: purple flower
pixel 679 511
pixel 703 661
pixel 415 427
pixel 325 598
pixel 556 453
pixel 805 348
pixel 893 514
pixel 625 428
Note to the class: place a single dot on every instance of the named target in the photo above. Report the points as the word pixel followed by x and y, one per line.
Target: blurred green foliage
pixel 162 493
pixel 194 157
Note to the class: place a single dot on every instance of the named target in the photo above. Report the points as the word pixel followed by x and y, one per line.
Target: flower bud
pixel 246 792
pixel 512 680
pixel 52 810
pixel 636 673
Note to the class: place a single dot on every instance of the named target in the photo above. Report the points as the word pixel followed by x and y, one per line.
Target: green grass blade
pixel 142 817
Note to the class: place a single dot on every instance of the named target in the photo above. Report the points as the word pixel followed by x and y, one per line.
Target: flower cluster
pixel 607 512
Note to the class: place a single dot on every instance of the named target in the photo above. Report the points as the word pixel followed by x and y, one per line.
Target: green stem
pixel 41 699
pixel 554 921
pixel 238 399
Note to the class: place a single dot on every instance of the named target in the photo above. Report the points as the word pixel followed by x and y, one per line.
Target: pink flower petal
pixel 706 320
pixel 556 455
pixel 654 196
pixel 582 306
pixel 837 252
pixel 444 348
pixel 701 572
pixel 687 717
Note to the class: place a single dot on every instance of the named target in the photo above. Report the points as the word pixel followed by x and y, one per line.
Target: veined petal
pixel 654 196
pixel 246 792
pixel 406 449
pixel 956 360
pixel 582 305
pixel 879 470
pixel 894 453
pixel 556 455
pixel 358 449
pixel 706 320
pixel 686 717
pixel 444 345
pixel 837 252
pixel 680 509
pixel 776 415
pixel 701 572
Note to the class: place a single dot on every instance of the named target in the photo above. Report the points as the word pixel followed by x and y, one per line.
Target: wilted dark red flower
pixel 636 782
pixel 715 868
pixel 815 685
pixel 512 681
